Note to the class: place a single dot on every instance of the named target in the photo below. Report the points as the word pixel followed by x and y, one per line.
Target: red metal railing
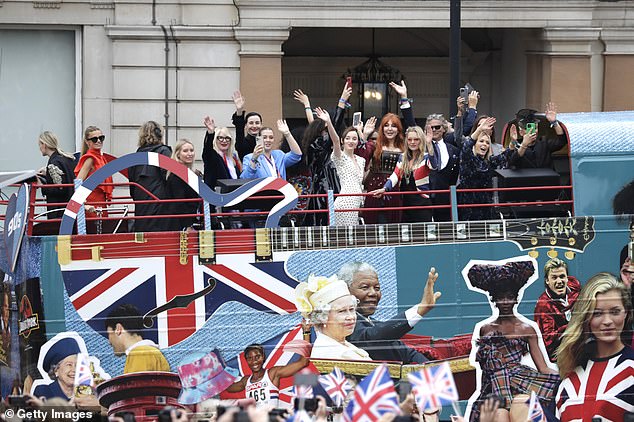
pixel 38 203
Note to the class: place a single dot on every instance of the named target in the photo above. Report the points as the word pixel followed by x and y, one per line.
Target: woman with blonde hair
pixel 177 188
pixel 220 159
pixel 326 303
pixel 151 178
pixel 58 170
pixel 596 365
pixel 477 166
pixel 412 174
pixel 91 160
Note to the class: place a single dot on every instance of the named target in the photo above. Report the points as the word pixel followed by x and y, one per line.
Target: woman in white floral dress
pixel 350 170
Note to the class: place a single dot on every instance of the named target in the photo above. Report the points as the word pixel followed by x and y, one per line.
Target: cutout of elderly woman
pixel 596 365
pixel 328 305
pixel 505 339
pixel 60 361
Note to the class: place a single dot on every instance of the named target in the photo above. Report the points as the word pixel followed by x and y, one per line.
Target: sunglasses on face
pixel 96 139
pixel 438 127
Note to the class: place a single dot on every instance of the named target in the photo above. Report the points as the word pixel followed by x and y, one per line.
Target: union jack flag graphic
pixel 373 397
pixel 535 411
pixel 276 355
pixel 433 386
pixel 151 274
pixel 336 385
pixel 603 388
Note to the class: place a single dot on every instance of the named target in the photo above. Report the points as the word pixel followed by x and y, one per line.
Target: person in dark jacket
pixel 151 178
pixel 536 151
pixel 381 338
pixel 446 174
pixel 177 188
pixel 252 121
pixel 220 159
pixel 58 170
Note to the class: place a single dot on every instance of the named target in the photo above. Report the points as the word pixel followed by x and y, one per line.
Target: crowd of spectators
pixel 324 155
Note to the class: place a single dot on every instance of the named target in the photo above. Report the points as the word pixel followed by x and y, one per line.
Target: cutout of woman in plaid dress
pixel 505 340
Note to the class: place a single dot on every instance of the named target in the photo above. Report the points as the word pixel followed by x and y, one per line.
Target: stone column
pixel 261 70
pixel 618 88
pixel 97 82
pixel 567 69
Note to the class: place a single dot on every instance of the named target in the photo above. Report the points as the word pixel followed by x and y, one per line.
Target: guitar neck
pixel 568 233
pixel 375 235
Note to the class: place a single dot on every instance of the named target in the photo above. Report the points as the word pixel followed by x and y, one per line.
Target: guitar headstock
pixel 571 233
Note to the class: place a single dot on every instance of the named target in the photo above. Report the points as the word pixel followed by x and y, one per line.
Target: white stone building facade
pixel 68 64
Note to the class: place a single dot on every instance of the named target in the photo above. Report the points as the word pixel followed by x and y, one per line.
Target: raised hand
pixel 529 139
pixel 346 93
pixel 474 96
pixel 258 150
pixel 488 124
pixel 513 133
pixel 400 89
pixel 322 114
pixel 488 409
pixel 369 126
pixel 299 95
pixel 283 127
pixel 429 134
pixel 238 100
pixel 428 301
pixel 551 112
pixel 460 104
pixel 209 124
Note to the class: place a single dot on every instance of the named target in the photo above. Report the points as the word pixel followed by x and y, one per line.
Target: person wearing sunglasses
pixel 220 158
pixel 92 158
pixel 446 174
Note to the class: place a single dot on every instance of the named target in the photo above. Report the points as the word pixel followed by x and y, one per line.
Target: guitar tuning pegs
pixel 552 254
pixel 533 254
pixel 570 255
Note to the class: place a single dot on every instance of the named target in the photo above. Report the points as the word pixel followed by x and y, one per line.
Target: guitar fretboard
pixel 569 233
pixel 341 237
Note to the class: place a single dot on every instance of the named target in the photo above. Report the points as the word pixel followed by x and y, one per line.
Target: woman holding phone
pixel 349 168
pixel 268 162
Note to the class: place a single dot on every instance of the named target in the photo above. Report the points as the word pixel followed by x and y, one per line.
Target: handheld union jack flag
pixel 303 391
pixel 535 411
pixel 373 397
pixel 433 387
pixel 83 375
pixel 336 385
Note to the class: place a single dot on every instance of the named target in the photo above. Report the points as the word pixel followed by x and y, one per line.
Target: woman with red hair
pixel 381 158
